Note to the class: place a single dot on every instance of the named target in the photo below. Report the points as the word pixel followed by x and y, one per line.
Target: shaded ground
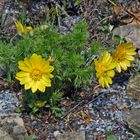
pixel 95 118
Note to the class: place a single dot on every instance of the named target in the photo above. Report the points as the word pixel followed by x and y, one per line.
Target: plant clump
pixel 52 65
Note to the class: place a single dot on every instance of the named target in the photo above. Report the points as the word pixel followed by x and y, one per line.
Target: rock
pixel 4 135
pixel 56 133
pixel 12 126
pixel 71 136
pixel 133 120
pixel 2 5
pixel 133 88
pixel 130 32
pixel 133 116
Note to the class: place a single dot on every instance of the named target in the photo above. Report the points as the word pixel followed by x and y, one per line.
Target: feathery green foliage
pixel 71 69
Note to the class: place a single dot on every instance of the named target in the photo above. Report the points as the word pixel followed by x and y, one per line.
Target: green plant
pixel 65 50
pixel 71 70
pixel 47 101
pixel 28 137
pixel 134 138
pixel 119 40
pixel 53 104
pixel 8 62
pixel 110 136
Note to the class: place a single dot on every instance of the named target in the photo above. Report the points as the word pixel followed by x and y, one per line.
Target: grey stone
pixel 130 32
pixel 133 88
pixel 12 126
pixel 4 135
pixel 133 120
pixel 2 5
pixel 71 136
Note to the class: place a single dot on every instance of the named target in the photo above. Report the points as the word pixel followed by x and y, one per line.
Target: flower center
pixel 120 56
pixel 36 74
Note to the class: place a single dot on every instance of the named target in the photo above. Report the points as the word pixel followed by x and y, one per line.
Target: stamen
pixel 36 74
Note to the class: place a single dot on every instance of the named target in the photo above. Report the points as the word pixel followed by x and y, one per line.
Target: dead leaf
pixel 68 117
pixel 29 129
pixel 65 102
pixel 100 137
pixel 83 115
pixel 71 129
pixel 127 16
pixel 118 9
pixel 136 16
pixel 82 94
pixel 97 88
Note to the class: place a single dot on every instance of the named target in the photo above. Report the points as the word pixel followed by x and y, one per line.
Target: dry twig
pixel 61 8
pixel 85 102
pixel 124 10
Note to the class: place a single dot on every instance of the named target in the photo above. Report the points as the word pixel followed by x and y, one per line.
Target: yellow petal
pixel 47 80
pixel 36 60
pixel 28 85
pixel 24 66
pixel 131 58
pixel 106 57
pixel 118 68
pixel 22 74
pixel 106 83
pixel 27 29
pixel 129 45
pixel 51 76
pixel 110 61
pixel 31 83
pixel 41 87
pixel 123 65
pixel 130 52
pixel 109 80
pixel 97 75
pixel 28 63
pixel 19 26
pixel 111 73
pixel 48 68
pixel 24 80
pixel 34 86
pixel 127 62
pixel 111 66
pixel 95 61
pixel 101 81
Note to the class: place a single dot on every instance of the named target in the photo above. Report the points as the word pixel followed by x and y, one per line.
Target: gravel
pixel 107 113
pixel 8 102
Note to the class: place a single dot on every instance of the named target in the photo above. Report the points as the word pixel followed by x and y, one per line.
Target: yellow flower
pixel 104 69
pixel 123 55
pixel 40 103
pixel 21 29
pixel 35 73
